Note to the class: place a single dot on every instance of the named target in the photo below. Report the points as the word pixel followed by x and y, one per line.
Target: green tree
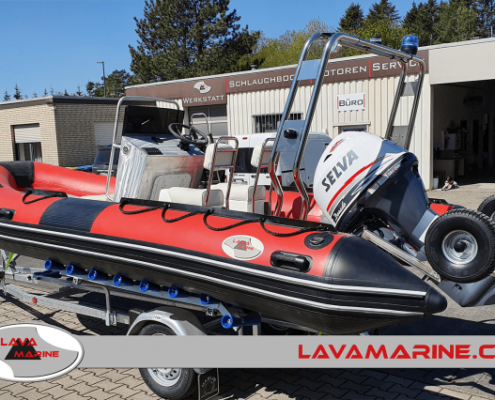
pixel 421 21
pixel 457 22
pixel 286 50
pixel 6 96
pixel 35 94
pixel 187 38
pixel 352 19
pixel 52 92
pixel 94 89
pixel 45 94
pixel 389 31
pixel 485 24
pixel 79 93
pixel 115 82
pixel 17 94
pixel 66 93
pixel 383 10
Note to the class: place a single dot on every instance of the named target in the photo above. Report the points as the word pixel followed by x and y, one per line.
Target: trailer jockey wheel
pixel 460 246
pixel 169 383
pixel 487 207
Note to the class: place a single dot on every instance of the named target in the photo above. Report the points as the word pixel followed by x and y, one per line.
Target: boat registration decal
pixel 243 247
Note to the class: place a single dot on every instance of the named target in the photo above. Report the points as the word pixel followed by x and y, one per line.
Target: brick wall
pixel 76 131
pixel 67 132
pixel 41 114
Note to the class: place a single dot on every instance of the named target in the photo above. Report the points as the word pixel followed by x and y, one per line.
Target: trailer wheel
pixel 460 246
pixel 487 207
pixel 169 383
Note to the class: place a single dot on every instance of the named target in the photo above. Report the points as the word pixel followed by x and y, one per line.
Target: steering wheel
pixel 195 136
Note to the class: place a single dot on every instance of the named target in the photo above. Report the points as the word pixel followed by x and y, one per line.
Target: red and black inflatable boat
pixel 289 270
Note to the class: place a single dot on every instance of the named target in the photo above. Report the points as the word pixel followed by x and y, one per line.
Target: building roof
pixel 51 100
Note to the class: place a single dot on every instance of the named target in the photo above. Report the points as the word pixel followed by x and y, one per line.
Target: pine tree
pixel 65 93
pixel 52 92
pixel 383 10
pixel 17 94
pixel 485 24
pixel 79 93
pixel 421 20
pixel 35 94
pixel 45 94
pixel 352 19
pixel 186 38
pixel 457 22
pixel 6 96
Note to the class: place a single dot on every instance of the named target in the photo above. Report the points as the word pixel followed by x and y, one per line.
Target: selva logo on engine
pixel 336 172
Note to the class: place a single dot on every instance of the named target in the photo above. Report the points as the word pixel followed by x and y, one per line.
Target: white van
pixel 245 173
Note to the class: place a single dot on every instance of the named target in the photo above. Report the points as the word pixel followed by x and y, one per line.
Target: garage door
pixel 27 133
pixel 104 133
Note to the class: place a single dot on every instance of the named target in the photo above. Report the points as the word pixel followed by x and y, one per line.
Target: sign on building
pixel 351 102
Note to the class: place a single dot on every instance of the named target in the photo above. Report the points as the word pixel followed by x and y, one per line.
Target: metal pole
pixel 104 80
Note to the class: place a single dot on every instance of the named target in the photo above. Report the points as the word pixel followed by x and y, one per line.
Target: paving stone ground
pixel 271 384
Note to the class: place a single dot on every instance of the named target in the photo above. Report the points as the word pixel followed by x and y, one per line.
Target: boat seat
pixel 219 155
pixel 241 197
pixel 193 197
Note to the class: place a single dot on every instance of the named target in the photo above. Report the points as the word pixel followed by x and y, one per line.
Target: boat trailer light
pixel 228 321
pixel 73 270
pixel 410 44
pixel 176 293
pixel 51 265
pixel 144 286
pixel 95 276
pixel 119 280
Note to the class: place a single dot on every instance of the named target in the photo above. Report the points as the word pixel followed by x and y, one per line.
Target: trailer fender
pixel 182 322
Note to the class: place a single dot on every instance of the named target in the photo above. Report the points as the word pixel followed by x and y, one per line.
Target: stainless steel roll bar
pixel 127 99
pixel 293 135
pixel 210 137
pixel 215 167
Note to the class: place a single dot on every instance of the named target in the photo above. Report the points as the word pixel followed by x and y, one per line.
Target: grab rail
pixel 127 99
pixel 296 132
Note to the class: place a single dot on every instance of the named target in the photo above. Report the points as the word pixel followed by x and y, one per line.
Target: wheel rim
pixel 165 376
pixel 460 247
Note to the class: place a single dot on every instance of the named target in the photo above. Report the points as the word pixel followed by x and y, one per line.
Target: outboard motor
pixel 364 180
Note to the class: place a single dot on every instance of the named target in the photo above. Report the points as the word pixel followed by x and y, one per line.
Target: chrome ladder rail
pixel 292 135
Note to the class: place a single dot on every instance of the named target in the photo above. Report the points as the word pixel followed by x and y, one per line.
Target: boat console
pixel 152 157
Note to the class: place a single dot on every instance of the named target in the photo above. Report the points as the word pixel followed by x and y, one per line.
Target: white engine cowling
pixel 348 167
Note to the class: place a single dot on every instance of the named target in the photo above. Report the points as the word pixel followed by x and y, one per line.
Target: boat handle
pixel 294 262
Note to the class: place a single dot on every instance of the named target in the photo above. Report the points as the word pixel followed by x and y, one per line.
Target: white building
pixel 456 115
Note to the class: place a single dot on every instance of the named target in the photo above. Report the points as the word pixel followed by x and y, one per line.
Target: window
pixel 270 122
pixel 353 128
pixel 28 151
pixel 215 115
pixel 27 142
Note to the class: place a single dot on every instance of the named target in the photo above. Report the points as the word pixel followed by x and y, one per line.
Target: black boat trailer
pixel 199 315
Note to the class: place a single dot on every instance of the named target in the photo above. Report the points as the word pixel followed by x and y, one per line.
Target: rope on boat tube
pixel 48 196
pixel 167 206
pixel 261 220
pixel 123 203
pixel 224 228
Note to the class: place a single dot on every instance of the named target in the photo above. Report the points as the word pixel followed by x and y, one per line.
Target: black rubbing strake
pixel 73 213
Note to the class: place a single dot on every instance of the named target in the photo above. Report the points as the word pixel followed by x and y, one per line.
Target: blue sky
pixel 58 43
